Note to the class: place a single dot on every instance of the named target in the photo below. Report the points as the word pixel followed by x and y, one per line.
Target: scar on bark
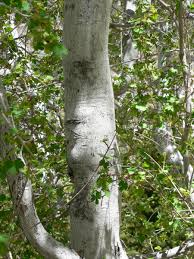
pixel 69 7
pixel 117 250
pixel 82 68
pixel 70 173
pixel 73 122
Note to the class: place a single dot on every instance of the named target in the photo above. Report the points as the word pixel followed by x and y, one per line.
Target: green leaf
pixel 107 193
pixel 2 197
pixel 60 51
pixel 142 175
pixel 168 107
pixel 172 99
pixel 141 108
pixel 131 170
pixel 48 78
pixel 191 7
pixel 3 243
pixel 13 131
pixel 104 163
pixel 123 185
pixel 25 6
pixel 17 113
pixel 96 196
pixel 146 165
pixel 145 126
pixel 158 248
pixel 12 167
pixel 19 164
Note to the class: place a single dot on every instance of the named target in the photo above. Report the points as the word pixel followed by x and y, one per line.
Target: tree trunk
pixel 90 128
pixel 130 52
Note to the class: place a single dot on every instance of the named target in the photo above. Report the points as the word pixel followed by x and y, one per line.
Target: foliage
pixel 32 74
pixel 156 208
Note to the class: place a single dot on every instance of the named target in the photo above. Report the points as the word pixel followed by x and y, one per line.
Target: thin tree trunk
pixel 21 192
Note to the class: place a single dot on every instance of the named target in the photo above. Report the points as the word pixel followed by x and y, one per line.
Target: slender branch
pixel 120 25
pixel 187 86
pixel 164 4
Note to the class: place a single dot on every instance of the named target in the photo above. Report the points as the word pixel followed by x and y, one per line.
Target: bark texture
pixel 90 127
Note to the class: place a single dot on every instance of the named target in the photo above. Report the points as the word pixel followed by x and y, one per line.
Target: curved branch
pixel 22 196
pixel 40 239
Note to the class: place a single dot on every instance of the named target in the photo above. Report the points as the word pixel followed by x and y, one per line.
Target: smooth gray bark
pixel 90 128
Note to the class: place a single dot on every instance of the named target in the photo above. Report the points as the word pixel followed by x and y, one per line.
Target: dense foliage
pixel 156 209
